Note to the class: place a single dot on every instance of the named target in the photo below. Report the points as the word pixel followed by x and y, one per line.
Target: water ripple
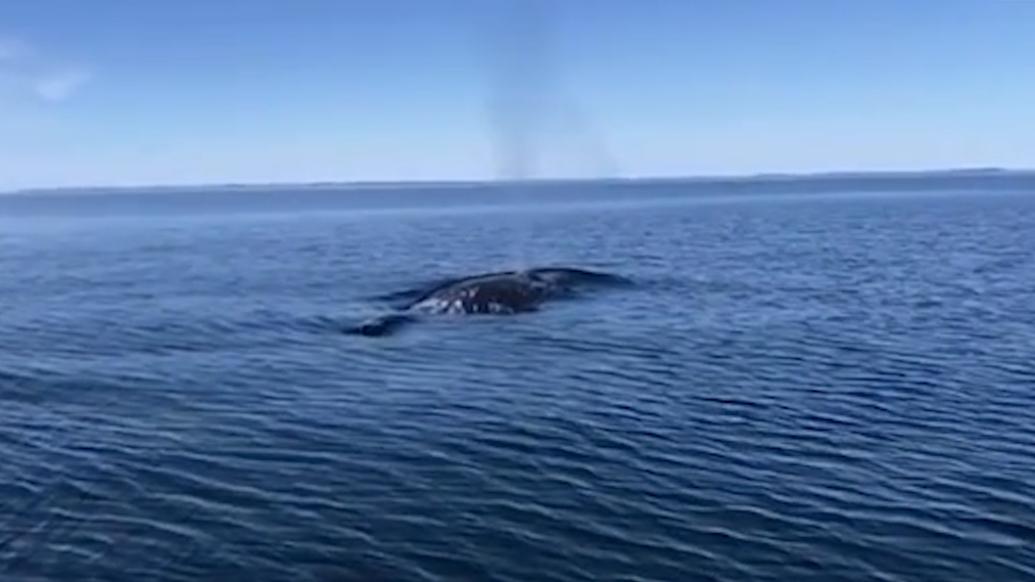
pixel 805 390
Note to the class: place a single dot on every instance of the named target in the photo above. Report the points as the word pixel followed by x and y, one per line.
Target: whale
pixel 498 293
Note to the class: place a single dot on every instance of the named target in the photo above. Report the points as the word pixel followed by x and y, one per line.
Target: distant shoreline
pixel 472 183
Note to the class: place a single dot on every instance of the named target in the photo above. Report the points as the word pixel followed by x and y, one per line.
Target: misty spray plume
pixel 530 116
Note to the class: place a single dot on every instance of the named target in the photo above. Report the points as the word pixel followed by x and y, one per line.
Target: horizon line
pixel 374 183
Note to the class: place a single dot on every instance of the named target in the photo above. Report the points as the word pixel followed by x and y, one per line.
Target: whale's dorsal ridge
pixel 504 292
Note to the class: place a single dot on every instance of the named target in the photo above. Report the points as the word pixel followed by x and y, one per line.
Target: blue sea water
pixel 803 383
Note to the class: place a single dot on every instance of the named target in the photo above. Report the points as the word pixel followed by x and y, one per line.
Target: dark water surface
pixel 798 387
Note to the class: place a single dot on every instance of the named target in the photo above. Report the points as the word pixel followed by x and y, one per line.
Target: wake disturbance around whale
pixel 501 293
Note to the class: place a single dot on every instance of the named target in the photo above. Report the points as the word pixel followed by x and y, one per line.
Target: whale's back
pixel 497 293
pixel 493 293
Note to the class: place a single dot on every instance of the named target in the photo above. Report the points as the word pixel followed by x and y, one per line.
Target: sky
pixel 117 92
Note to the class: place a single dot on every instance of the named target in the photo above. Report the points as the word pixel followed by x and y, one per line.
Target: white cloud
pixel 12 48
pixel 61 85
pixel 25 72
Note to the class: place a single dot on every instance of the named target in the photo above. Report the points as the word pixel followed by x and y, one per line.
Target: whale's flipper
pixel 381 326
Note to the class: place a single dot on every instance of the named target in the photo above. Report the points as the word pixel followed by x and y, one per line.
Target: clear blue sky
pixel 123 92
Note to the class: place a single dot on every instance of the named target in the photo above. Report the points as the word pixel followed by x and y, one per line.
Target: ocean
pixel 809 379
